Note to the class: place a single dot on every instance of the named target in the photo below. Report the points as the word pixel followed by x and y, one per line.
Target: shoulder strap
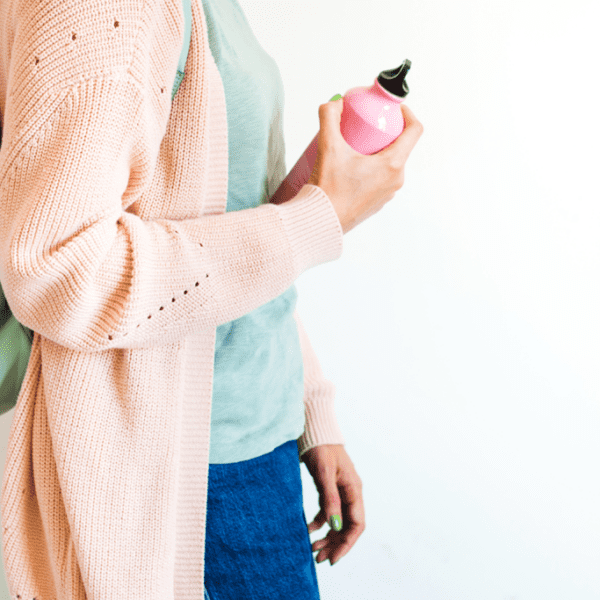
pixel 187 36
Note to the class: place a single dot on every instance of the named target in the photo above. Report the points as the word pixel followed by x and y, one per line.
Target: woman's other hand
pixel 340 493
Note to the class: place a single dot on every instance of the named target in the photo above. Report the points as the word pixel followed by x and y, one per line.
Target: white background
pixel 461 325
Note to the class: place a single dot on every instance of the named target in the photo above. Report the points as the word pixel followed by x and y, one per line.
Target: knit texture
pixel 115 248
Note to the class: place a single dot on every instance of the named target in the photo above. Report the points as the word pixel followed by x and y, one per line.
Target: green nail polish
pixel 335 522
pixel 336 97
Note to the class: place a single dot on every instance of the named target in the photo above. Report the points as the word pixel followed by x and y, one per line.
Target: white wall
pixel 461 325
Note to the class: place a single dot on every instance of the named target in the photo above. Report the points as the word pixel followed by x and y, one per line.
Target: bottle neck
pixel 378 88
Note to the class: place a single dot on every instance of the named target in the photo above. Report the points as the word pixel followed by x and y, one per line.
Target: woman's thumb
pixel 330 115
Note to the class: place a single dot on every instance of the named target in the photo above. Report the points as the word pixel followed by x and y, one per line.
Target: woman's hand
pixel 360 185
pixel 340 493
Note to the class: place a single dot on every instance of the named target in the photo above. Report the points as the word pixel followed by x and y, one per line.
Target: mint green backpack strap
pixel 15 338
pixel 15 349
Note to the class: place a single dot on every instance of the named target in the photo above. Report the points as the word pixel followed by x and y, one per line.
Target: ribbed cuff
pixel 313 228
pixel 321 426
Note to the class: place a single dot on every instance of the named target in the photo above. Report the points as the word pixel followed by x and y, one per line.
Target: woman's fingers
pixel 338 543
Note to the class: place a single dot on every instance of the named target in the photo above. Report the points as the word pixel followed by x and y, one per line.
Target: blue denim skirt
pixel 257 541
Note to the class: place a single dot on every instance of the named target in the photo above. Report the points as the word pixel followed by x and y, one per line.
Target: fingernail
pixel 336 97
pixel 335 522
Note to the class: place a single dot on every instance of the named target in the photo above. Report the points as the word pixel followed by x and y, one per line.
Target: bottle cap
pixel 394 80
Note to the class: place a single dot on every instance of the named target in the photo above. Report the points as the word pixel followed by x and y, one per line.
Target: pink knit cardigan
pixel 115 248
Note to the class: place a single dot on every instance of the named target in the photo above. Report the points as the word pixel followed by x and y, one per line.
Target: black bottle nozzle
pixel 394 80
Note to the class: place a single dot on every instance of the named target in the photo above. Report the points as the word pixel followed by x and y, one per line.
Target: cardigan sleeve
pixel 321 426
pixel 80 147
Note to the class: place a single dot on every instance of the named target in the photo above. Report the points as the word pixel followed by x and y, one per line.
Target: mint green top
pixel 258 383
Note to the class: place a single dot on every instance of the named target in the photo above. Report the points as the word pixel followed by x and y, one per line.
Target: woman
pixel 171 389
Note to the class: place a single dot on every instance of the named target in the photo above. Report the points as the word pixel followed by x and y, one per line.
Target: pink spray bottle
pixel 371 121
